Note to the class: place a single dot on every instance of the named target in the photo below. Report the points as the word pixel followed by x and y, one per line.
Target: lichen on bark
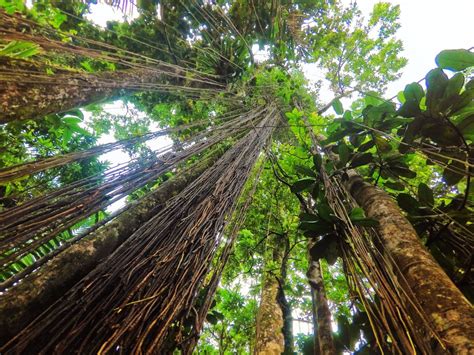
pixel 450 312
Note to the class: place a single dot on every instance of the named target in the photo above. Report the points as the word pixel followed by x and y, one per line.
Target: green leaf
pixel 466 127
pixel 344 152
pixel 357 213
pixel 358 218
pixel 308 217
pixel 452 173
pixel 319 227
pixel 425 195
pixel 366 222
pixel 398 186
pixel 366 146
pixel 337 106
pixel 408 203
pixel 302 185
pixel 436 83
pixel 455 59
pixel 305 171
pixel 361 159
pixel 413 94
pixel 324 211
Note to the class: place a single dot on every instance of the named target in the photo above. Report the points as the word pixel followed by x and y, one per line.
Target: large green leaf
pixel 408 203
pixel 394 185
pixel 337 106
pixel 305 171
pixel 452 173
pixel 425 195
pixel 318 227
pixel 302 185
pixel 436 83
pixel 361 159
pixel 455 59
pixel 344 152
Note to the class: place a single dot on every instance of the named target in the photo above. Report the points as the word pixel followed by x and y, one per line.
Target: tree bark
pixel 283 302
pixel 269 334
pixel 27 93
pixel 450 312
pixel 23 302
pixel 323 333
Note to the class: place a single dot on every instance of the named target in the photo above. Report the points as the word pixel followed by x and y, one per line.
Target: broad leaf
pixel 337 106
pixel 425 195
pixel 408 203
pixel 455 59
pixel 302 185
pixel 361 159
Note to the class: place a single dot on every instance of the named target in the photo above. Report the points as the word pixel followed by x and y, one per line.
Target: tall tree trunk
pixel 283 302
pixel 450 312
pixel 23 302
pixel 30 94
pixel 323 333
pixel 269 334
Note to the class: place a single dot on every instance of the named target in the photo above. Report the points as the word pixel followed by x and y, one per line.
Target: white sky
pixel 428 27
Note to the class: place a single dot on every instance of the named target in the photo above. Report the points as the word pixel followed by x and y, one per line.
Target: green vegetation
pixel 247 208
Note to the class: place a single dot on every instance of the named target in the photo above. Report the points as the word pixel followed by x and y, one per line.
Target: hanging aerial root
pixel 74 259
pixel 129 302
pixel 25 227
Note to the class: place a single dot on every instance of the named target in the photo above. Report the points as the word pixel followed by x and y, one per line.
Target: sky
pixel 428 27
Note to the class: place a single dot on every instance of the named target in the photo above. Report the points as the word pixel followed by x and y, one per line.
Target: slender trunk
pixel 284 304
pixel 450 312
pixel 269 335
pixel 323 334
pixel 23 302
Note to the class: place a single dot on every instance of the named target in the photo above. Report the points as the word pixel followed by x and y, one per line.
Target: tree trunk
pixel 28 93
pixel 23 302
pixel 323 333
pixel 283 302
pixel 450 312
pixel 269 334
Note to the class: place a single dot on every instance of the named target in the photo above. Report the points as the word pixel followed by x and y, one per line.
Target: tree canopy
pixel 246 208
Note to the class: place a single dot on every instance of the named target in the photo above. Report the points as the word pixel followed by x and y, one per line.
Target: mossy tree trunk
pixel 450 312
pixel 32 94
pixel 269 330
pixel 323 340
pixel 26 300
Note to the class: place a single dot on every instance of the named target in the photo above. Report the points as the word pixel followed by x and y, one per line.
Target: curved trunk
pixel 450 312
pixel 23 302
pixel 323 340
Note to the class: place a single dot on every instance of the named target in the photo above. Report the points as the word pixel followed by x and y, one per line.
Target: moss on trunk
pixel 450 312
pixel 323 333
pixel 269 335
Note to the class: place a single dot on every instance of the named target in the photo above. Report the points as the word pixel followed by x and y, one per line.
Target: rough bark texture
pixel 28 95
pixel 283 302
pixel 269 335
pixel 450 312
pixel 323 314
pixel 23 302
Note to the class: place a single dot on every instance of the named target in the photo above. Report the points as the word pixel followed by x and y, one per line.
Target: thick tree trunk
pixel 23 302
pixel 323 314
pixel 269 334
pixel 27 93
pixel 450 312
